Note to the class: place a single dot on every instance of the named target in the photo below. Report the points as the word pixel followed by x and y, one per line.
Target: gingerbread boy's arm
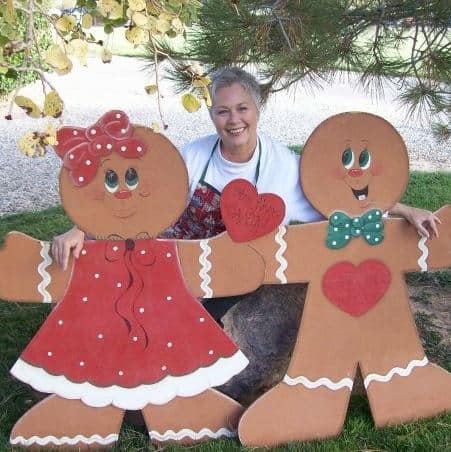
pixel 417 253
pixel 219 267
pixel 291 252
pixel 27 273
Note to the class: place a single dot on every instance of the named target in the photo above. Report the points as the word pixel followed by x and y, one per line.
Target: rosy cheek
pixel 97 194
pixel 144 189
pixel 377 168
pixel 338 172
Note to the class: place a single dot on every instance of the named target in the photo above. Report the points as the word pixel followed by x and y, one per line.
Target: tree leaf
pixel 137 35
pixel 28 143
pixel 151 89
pixel 66 23
pixel 137 5
pixel 53 105
pixel 30 108
pixel 107 56
pixel 58 60
pixel 86 21
pixel 190 102
pixel 79 49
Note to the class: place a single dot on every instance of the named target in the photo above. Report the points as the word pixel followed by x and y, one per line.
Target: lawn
pixel 19 322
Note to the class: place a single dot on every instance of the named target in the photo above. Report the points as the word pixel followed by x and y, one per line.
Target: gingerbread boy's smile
pixel 361 194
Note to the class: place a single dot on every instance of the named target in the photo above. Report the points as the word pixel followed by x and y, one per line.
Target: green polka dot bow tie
pixel 343 228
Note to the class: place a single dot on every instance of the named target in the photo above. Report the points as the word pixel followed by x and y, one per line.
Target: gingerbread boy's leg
pixel 312 399
pixel 401 383
pixel 187 420
pixel 67 424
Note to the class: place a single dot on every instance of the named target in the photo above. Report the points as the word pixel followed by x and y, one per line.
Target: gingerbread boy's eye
pixel 111 181
pixel 365 159
pixel 347 158
pixel 131 178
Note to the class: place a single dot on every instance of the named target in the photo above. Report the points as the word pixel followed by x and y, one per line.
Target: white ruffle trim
pixel 171 435
pixel 132 398
pixel 113 437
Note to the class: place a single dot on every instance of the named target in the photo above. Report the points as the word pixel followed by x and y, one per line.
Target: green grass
pixel 19 322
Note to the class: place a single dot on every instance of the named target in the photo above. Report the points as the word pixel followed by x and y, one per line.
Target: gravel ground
pixel 31 184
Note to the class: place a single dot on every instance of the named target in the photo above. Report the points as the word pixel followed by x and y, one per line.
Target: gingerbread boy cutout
pixel 354 167
pixel 128 332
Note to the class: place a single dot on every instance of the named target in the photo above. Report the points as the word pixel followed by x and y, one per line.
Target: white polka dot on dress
pixel 202 319
pixel 120 373
pixel 100 336
pixel 141 310
pixel 169 344
pixel 163 367
pixel 119 284
pixel 49 353
pixel 96 276
pixel 210 352
pixel 82 363
pixel 84 299
pixel 83 252
pixel 169 298
pixel 168 254
pixel 60 322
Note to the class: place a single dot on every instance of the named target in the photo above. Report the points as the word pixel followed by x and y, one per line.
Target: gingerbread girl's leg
pixel 401 383
pixel 187 420
pixel 67 424
pixel 312 399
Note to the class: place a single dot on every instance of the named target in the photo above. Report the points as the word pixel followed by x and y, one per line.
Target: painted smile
pixel 361 194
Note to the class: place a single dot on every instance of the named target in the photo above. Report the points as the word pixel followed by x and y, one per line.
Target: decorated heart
pixel 356 289
pixel 248 215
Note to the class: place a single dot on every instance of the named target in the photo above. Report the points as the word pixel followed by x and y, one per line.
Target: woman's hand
pixel 64 244
pixel 424 220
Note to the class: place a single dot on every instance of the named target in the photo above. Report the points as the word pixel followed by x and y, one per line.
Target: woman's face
pixel 235 117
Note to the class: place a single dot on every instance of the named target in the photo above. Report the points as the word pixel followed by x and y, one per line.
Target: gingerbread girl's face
pixel 354 162
pixel 120 180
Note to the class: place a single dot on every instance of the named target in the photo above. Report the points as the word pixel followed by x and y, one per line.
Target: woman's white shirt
pixel 278 173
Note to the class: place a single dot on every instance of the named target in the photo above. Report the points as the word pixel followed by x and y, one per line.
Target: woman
pixel 238 151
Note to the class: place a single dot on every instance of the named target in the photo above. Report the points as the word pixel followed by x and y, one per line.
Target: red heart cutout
pixel 355 290
pixel 248 215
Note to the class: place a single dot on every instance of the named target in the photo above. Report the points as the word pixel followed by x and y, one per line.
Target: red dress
pixel 127 332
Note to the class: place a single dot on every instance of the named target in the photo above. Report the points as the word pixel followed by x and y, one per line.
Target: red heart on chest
pixel 248 215
pixel 356 289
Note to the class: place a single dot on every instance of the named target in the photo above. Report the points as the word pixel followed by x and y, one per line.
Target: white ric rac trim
pixel 113 437
pixel 171 435
pixel 42 270
pixel 138 397
pixel 280 273
pixel 313 384
pixel 422 261
pixel 206 267
pixel 402 371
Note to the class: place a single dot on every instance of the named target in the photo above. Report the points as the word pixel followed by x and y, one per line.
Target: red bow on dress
pixel 81 149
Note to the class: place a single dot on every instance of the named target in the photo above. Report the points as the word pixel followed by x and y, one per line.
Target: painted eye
pixel 111 181
pixel 365 159
pixel 131 178
pixel 347 158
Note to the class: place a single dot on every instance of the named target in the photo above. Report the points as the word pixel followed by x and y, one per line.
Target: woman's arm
pixel 65 244
pixel 424 220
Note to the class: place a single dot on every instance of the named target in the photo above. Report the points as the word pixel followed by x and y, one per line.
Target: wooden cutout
pixel 248 215
pixel 127 332
pixel 357 309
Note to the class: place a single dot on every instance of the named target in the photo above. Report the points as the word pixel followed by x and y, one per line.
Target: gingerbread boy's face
pixel 135 186
pixel 354 162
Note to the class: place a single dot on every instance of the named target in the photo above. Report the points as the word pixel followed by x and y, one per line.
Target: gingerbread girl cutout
pixel 354 167
pixel 128 332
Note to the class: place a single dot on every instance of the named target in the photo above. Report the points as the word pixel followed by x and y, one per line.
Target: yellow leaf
pixel 86 21
pixel 190 102
pixel 53 105
pixel 151 89
pixel 137 35
pixel 50 135
pixel 196 69
pixel 30 108
pixel 162 25
pixel 69 4
pixel 66 23
pixel 107 56
pixel 137 5
pixel 117 12
pixel 155 127
pixel 79 49
pixel 58 60
pixel 177 24
pixel 139 19
pixel 10 13
pixel 28 143
pixel 105 7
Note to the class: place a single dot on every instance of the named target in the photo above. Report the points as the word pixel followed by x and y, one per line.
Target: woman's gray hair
pixel 227 76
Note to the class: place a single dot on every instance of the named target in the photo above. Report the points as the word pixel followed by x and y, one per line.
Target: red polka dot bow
pixel 81 149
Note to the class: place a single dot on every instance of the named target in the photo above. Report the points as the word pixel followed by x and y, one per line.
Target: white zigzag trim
pixel 113 437
pixel 422 259
pixel 186 432
pixel 138 397
pixel 280 273
pixel 402 371
pixel 206 267
pixel 313 384
pixel 42 270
